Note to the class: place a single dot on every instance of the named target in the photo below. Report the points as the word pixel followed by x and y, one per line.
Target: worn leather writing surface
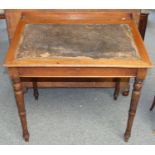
pixel 93 41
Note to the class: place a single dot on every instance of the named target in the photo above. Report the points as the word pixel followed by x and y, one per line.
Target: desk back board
pixel 13 15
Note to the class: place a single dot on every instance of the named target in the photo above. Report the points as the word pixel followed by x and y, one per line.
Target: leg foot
pixel 117 89
pixel 26 136
pixel 126 137
pixel 35 89
pixel 133 107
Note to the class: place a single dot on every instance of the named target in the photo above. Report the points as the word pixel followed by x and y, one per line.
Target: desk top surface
pixel 94 41
pixel 78 44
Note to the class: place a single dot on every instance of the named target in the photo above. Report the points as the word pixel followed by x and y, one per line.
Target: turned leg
pixel 153 104
pixel 18 91
pixel 117 89
pixel 35 89
pixel 133 106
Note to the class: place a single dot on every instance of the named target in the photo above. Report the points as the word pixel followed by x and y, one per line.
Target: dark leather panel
pixel 77 40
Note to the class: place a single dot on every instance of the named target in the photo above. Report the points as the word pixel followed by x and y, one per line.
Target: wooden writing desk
pixel 73 45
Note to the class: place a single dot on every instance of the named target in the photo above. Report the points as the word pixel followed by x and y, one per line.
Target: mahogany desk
pixel 75 45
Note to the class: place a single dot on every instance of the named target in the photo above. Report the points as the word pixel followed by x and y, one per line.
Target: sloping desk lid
pixel 50 44
pixel 77 41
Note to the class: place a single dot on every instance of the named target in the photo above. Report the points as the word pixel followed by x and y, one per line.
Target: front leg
pixel 133 107
pixel 18 91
